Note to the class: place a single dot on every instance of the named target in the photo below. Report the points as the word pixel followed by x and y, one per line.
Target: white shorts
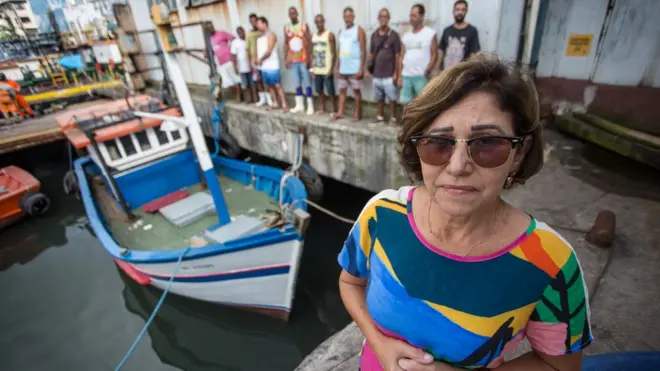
pixel 228 75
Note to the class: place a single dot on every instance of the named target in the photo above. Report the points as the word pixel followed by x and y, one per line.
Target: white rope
pixel 287 208
pixel 330 213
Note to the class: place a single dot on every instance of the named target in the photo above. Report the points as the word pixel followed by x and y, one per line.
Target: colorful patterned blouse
pixel 466 311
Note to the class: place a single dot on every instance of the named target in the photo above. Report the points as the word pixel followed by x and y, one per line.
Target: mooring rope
pixel 286 208
pixel 155 311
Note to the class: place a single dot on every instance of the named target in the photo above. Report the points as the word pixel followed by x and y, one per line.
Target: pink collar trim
pixel 467 259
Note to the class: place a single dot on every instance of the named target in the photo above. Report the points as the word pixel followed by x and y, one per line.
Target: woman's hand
pixel 391 352
pixel 411 365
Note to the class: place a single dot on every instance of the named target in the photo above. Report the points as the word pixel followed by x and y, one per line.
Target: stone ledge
pixel 361 154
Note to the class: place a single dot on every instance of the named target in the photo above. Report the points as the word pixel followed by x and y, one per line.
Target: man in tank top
pixel 418 55
pixel 323 63
pixel 350 69
pixel 297 51
pixel 269 63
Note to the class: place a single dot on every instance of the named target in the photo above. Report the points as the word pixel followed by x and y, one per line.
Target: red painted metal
pixel 138 277
pixel 169 199
pixel 17 182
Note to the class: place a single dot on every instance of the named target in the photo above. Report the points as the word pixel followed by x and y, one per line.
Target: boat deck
pixel 36 131
pixel 154 232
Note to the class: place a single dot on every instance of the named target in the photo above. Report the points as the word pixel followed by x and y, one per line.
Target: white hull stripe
pixel 227 276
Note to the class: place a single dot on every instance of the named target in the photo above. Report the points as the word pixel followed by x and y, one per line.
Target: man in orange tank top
pixel 297 52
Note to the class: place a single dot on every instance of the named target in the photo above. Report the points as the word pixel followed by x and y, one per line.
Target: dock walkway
pixel 33 132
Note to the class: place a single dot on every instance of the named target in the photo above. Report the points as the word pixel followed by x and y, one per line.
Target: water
pixel 66 306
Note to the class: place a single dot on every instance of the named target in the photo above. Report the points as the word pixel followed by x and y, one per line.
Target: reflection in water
pixel 194 335
pixel 63 296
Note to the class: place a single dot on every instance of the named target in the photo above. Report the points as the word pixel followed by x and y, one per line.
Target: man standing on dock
pixel 220 43
pixel 324 59
pixel 350 69
pixel 251 42
pixel 383 65
pixel 418 56
pixel 460 40
pixel 268 62
pixel 297 42
pixel 239 54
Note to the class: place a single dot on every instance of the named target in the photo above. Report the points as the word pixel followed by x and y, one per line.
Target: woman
pixel 446 275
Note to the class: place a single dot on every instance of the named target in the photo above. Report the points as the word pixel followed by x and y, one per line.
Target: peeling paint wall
pixel 497 21
pixel 625 49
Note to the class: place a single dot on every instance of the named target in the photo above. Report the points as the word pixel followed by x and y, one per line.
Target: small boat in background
pixel 175 217
pixel 20 196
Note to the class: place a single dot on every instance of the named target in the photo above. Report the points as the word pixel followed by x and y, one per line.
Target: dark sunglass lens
pixel 435 151
pixel 490 152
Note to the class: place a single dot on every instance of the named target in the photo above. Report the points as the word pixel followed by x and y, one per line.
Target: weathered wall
pixel 626 42
pixel 357 154
pixel 361 155
pixel 497 21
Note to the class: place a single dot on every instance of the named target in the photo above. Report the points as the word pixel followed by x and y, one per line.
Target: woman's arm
pixel 389 351
pixel 353 292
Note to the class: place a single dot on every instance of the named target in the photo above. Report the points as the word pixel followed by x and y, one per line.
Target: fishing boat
pixel 178 218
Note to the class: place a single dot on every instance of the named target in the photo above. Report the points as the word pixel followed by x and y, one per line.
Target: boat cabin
pixel 122 140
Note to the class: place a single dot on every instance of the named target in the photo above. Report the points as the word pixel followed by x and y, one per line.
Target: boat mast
pixel 192 122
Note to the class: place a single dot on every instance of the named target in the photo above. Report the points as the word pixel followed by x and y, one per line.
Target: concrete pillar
pixel 312 8
pixel 530 30
pixel 183 16
pixel 233 14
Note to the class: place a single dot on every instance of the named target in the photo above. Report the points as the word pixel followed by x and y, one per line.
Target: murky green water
pixel 65 306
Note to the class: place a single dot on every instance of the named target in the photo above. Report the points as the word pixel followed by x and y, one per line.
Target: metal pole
pixel 197 136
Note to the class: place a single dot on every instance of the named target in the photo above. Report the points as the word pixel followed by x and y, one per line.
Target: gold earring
pixel 508 183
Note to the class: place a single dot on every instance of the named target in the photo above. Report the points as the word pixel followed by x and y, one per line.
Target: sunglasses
pixel 486 152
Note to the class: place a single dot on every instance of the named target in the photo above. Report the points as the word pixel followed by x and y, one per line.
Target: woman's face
pixel 462 187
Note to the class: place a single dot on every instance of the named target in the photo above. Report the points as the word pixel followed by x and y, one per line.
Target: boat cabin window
pixel 143 140
pixel 127 143
pixel 113 150
pixel 162 137
pixel 141 147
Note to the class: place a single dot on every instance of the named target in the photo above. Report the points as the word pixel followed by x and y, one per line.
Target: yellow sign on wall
pixel 579 45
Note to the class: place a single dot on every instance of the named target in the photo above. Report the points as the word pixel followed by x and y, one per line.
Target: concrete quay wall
pixel 360 154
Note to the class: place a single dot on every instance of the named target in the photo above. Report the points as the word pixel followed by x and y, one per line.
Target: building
pixel 72 15
pixel 606 49
pixel 17 20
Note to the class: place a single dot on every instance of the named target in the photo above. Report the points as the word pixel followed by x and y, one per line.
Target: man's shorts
pixel 300 75
pixel 271 77
pixel 246 80
pixel 344 81
pixel 228 75
pixel 384 88
pixel 412 87
pixel 324 80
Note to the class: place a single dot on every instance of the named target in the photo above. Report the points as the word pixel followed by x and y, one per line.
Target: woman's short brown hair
pixel 509 83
